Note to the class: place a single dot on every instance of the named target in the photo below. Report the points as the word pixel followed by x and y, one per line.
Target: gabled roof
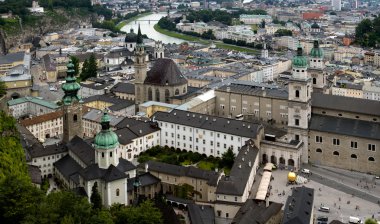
pixel 349 104
pixel 84 151
pixel 165 72
pixel 208 122
pixel 201 214
pixel 345 126
pixel 299 206
pixel 122 87
pixel 236 182
pixel 211 176
pixel 145 179
pixel 254 211
pixel 67 166
pixel 124 165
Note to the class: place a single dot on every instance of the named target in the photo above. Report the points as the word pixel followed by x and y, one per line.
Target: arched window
pixel 371 159
pixel 117 192
pixel 157 95
pixel 336 153
pixel 319 150
pixel 354 156
pixel 75 118
pixel 167 96
pixel 176 92
pixel 150 97
pixel 297 93
pixel 184 90
pixel 314 80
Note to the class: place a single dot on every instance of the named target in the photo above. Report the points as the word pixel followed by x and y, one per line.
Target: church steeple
pixel 106 143
pixel 71 87
pixel 72 106
pixel 139 36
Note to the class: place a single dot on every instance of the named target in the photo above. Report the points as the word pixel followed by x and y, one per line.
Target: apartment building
pixel 30 106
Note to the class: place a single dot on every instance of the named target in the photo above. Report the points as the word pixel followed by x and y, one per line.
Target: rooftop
pixel 201 214
pixel 345 126
pixel 208 122
pixel 299 206
pixel 236 182
pixel 257 212
pixel 42 118
pixel 11 58
pixel 348 104
pixel 165 72
pixel 35 100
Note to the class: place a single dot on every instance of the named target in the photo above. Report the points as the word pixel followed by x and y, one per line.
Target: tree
pixel 145 213
pixel 84 73
pixel 3 88
pixel 61 207
pixel 262 25
pixel 18 199
pixel 283 32
pixel 92 70
pixel 370 221
pixel 102 217
pixel 228 159
pixel 95 198
pixel 75 62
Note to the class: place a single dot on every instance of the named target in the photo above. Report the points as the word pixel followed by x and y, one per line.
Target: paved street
pixel 341 204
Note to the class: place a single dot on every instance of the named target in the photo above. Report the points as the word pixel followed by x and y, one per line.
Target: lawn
pixel 178 35
pixel 205 165
pixel 219 44
pixel 124 22
pixel 177 157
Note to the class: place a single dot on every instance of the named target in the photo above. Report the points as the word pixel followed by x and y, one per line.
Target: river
pixel 147 28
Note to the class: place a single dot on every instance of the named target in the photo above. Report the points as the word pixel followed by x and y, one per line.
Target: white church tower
pixel 317 65
pixel 106 145
pixel 299 102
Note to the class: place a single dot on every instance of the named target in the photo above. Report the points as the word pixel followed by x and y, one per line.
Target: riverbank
pixel 125 22
pixel 218 44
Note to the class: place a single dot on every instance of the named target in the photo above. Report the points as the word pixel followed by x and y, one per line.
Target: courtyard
pixel 341 204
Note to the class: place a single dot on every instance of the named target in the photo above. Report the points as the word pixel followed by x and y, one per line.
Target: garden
pixel 188 158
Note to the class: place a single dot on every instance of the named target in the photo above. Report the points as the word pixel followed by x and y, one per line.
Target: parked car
pixel 306 171
pixel 323 218
pixel 324 209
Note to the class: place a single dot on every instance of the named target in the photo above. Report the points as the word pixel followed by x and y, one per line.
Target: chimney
pixel 250 164
pixel 239 166
pixel 175 113
pixel 140 131
pixel 249 126
pixel 146 167
pixel 242 158
pixel 206 118
pixel 228 122
pixel 267 202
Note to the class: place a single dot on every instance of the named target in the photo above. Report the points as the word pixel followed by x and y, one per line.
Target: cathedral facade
pixel 162 82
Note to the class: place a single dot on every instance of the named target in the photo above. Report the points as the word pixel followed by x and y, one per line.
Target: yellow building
pixel 151 107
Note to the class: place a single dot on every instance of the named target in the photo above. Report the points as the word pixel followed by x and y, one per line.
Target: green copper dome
pixel 316 52
pixel 106 138
pixel 71 87
pixel 299 60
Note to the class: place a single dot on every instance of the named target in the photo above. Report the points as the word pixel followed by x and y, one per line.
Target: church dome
pixel 299 60
pixel 106 138
pixel 315 26
pixel 130 37
pixel 316 52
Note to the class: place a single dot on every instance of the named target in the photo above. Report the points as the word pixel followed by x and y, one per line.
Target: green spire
pixel 300 60
pixel 106 138
pixel 139 36
pixel 316 52
pixel 71 87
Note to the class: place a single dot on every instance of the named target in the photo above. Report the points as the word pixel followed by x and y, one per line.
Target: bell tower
pixel 72 106
pixel 106 145
pixel 299 102
pixel 316 71
pixel 140 69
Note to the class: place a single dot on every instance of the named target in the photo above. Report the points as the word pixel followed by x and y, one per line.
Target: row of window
pixel 353 156
pixel 336 141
